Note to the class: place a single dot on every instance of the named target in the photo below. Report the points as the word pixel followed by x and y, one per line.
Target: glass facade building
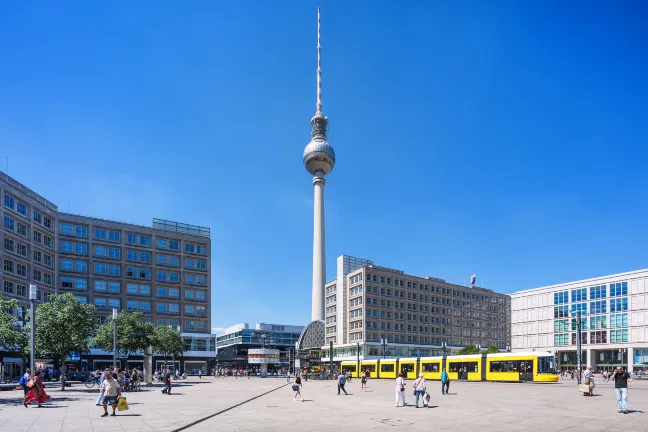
pixel 613 312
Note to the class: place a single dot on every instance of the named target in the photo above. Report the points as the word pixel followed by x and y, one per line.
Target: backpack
pixel 22 382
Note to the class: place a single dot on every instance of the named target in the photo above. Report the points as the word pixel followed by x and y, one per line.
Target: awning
pixel 12 360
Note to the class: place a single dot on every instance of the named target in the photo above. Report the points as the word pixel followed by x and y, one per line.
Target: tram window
pixel 496 366
pixel 546 365
pixel 454 367
pixel 430 367
pixel 407 368
pixel 471 367
pixel 348 368
pixel 386 368
pixel 510 366
pixel 369 368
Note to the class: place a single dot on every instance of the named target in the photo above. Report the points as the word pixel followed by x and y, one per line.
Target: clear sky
pixel 502 138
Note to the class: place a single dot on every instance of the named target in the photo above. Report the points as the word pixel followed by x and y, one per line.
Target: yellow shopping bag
pixel 122 405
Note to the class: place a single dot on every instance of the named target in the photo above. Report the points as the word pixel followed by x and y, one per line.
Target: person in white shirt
pixel 400 390
pixel 588 375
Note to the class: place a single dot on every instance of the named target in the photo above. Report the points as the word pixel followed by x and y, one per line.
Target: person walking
pixel 419 389
pixel 589 381
pixel 111 392
pixel 296 386
pixel 37 391
pixel 445 382
pixel 102 376
pixel 363 380
pixel 400 390
pixel 24 380
pixel 167 383
pixel 341 383
pixel 621 379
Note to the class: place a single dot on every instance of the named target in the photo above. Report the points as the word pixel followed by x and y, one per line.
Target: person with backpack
pixel 24 380
pixel 341 382
pixel 419 389
pixel 364 380
pixel 445 382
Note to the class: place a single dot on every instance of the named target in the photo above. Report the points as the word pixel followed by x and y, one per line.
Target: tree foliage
pixel 132 334
pixel 64 326
pixel 12 335
pixel 492 349
pixel 167 341
pixel 469 349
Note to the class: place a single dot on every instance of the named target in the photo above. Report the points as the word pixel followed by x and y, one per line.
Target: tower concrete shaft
pixel 319 250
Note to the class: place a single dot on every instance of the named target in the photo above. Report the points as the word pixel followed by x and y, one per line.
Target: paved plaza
pixel 266 405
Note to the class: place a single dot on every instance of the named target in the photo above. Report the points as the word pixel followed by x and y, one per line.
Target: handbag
pixel 583 388
pixel 295 388
pixel 122 405
pixel 30 384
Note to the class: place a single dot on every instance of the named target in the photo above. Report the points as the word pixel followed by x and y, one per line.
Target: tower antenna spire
pixel 319 65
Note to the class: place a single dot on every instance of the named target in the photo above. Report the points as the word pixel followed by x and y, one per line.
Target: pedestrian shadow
pixel 128 415
pixel 635 411
pixel 307 400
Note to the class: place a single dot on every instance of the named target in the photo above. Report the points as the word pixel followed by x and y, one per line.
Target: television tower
pixel 319 159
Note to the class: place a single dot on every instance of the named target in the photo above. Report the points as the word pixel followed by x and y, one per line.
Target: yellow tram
pixel 513 367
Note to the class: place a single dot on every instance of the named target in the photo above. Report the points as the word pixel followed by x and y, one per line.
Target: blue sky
pixel 503 138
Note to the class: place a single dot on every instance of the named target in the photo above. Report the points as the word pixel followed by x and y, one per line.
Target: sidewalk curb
pixel 227 409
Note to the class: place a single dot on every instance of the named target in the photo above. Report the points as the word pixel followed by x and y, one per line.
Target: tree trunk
pixel 63 371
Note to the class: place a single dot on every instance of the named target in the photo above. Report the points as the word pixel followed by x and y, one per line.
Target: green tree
pixel 12 335
pixel 64 326
pixel 168 342
pixel 132 334
pixel 469 349
pixel 492 349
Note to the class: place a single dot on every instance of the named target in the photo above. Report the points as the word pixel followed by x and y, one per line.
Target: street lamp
pixel 358 353
pixel 32 330
pixel 508 348
pixel 383 342
pixel 578 344
pixel 444 345
pixel 115 311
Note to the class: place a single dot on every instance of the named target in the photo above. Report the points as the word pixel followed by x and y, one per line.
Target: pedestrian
pixel 111 392
pixel 36 391
pixel 102 376
pixel 589 381
pixel 363 381
pixel 199 373
pixel 24 380
pixel 167 383
pixel 445 382
pixel 400 390
pixel 296 386
pixel 621 379
pixel 419 389
pixel 341 382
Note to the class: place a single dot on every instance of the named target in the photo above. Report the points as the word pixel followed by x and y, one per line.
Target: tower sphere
pixel 319 156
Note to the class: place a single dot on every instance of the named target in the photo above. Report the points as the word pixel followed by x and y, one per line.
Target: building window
pixel 201 249
pixel 100 268
pixel 174 308
pixel 145 306
pixel 81 284
pixel 66 264
pixel 174 276
pixel 8 287
pixel 81 248
pixel 100 251
pixel 114 236
pixel 132 305
pixel 9 202
pixel 100 233
pixel 617 336
pixel 9 223
pixel 131 238
pixel 66 282
pixel 100 286
pixel 47 222
pixel 174 245
pixel 619 320
pixel 161 275
pixel 114 269
pixel 21 229
pixel 22 208
pixel 162 307
pixel 598 292
pixel 559 297
pixel 131 255
pixel 578 295
pixel 162 244
pixel 190 247
pixel 66 228
pixel 38 217
pixel 81 231
pixel 101 302
pixel 114 303
pixel 619 305
pixel 114 253
pixel 145 240
pixel 114 287
pixel 618 289
pixel 145 257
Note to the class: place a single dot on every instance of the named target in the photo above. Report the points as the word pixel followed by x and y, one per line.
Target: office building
pixel 232 346
pixel 162 271
pixel 367 304
pixel 614 313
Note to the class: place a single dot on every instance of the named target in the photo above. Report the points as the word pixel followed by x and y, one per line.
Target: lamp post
pixel 115 312
pixel 383 343
pixel 578 344
pixel 358 353
pixel 32 330
pixel 508 348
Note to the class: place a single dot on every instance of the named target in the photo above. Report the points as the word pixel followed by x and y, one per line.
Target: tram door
pixel 526 370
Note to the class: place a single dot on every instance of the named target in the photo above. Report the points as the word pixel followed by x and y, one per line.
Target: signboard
pixel 263 356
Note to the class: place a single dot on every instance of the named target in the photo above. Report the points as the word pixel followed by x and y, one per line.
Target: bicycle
pixel 92 381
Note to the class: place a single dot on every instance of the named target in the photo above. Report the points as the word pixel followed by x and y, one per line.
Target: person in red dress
pixel 37 391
